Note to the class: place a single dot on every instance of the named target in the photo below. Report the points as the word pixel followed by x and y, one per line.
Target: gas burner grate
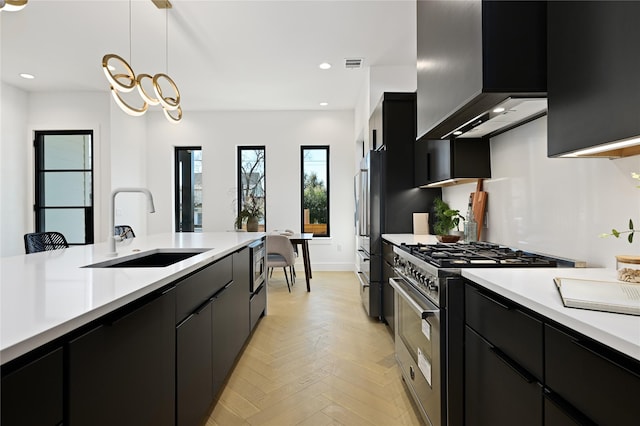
pixel 476 255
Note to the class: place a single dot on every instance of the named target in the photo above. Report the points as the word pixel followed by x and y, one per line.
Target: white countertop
pixel 534 288
pixel 398 239
pixel 46 295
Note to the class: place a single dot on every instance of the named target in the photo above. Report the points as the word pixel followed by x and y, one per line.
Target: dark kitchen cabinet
pixel 197 288
pixel 388 306
pixel 393 197
pixel 503 362
pixel 451 159
pixel 471 55
pixel 523 368
pixel 593 83
pixel 123 370
pixel 601 384
pixel 230 330
pixel 497 390
pixel 194 352
pixel 230 320
pixel 32 394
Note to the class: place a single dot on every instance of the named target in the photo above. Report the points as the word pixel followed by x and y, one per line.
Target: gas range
pixel 429 297
pixel 426 266
pixel 477 255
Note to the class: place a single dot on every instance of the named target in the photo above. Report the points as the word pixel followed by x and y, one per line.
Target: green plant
pixel 446 217
pixel 252 208
pixel 631 231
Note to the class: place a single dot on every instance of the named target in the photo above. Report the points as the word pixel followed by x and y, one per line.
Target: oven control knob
pixel 431 285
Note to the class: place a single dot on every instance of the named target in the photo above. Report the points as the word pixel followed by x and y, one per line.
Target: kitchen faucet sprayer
pixel 112 218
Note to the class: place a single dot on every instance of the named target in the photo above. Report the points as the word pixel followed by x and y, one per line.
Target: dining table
pixel 302 239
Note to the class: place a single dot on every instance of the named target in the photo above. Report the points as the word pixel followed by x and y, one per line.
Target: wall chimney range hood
pixel 504 116
pixel 488 74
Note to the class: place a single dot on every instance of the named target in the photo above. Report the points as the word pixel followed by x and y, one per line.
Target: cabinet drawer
pixel 258 304
pixel 498 392
pixel 194 290
pixel 33 395
pixel 597 381
pixel 511 330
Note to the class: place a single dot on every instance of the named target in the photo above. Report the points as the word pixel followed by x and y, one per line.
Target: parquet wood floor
pixel 316 359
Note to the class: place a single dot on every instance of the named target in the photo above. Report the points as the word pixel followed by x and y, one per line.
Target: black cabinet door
pixel 194 367
pixel 600 383
pixel 33 394
pixel 388 307
pixel 513 331
pixel 439 160
pixel 123 371
pixel 497 390
pixel 231 322
pixel 593 83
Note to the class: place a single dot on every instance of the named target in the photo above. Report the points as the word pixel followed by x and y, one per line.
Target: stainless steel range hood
pixel 504 116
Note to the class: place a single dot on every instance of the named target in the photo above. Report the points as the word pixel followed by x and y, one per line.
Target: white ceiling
pixel 223 55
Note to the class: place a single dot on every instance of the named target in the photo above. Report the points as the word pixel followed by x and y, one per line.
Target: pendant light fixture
pixel 12 5
pixel 125 81
pixel 170 105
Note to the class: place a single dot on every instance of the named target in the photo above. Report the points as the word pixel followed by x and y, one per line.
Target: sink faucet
pixel 112 215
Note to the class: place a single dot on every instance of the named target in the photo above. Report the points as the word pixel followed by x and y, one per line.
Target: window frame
pixel 39 205
pixel 325 148
pixel 177 202
pixel 239 150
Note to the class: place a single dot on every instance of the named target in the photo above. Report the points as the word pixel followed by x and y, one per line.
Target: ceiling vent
pixel 353 63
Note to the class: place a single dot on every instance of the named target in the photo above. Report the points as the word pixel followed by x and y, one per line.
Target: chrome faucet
pixel 112 215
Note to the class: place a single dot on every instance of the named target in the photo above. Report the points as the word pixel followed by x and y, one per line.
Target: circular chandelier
pixel 12 5
pixel 125 81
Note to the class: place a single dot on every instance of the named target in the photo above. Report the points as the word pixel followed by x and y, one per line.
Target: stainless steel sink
pixel 157 258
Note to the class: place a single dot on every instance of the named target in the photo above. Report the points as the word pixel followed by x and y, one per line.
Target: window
pixel 251 188
pixel 315 190
pixel 64 184
pixel 188 181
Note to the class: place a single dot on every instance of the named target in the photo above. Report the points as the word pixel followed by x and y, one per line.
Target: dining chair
pixel 35 242
pixel 280 255
pixel 124 231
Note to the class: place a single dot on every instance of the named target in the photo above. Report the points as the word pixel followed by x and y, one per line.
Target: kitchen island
pixel 153 343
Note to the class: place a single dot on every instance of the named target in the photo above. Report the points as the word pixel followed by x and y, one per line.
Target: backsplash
pixel 556 206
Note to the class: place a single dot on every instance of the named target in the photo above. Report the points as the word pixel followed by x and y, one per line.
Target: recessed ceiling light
pixel 325 66
pixel 27 76
pixel 324 103
pixel 457 133
pixel 499 109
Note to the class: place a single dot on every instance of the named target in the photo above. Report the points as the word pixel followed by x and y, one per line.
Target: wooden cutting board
pixel 479 206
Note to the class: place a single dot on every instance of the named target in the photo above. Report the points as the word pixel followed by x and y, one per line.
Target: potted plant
pixel 446 220
pixel 251 213
pixel 628 266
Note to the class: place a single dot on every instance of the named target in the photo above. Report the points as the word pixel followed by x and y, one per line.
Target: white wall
pixel 15 155
pixel 24 113
pixel 219 133
pixel 555 205
pixel 138 151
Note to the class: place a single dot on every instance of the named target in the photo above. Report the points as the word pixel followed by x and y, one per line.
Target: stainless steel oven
pixel 429 318
pixel 257 253
pixel 417 332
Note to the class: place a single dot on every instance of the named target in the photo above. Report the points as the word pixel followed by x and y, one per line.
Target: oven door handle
pixel 424 308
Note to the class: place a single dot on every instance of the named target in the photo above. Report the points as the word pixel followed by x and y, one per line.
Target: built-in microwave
pixel 258 266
